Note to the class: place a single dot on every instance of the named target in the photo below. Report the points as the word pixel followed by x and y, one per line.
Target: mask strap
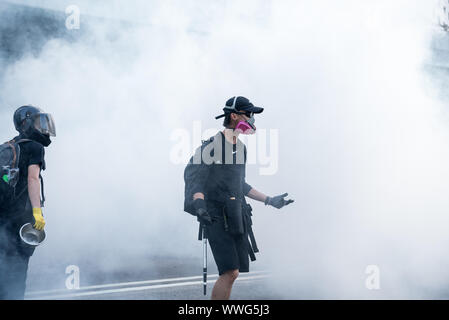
pixel 232 108
pixel 233 105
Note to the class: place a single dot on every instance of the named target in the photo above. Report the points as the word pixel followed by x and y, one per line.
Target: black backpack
pixel 9 171
pixel 190 174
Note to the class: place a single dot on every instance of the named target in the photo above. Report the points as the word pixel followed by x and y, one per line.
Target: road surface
pixel 173 279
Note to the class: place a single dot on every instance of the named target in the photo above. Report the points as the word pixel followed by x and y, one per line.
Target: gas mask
pixel 246 126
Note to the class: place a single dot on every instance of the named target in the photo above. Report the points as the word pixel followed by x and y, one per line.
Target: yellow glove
pixel 40 222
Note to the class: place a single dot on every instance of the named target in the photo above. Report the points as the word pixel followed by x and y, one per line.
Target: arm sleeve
pixel 201 175
pixel 37 155
pixel 246 188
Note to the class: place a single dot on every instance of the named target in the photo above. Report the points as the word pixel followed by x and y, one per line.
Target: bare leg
pixel 223 285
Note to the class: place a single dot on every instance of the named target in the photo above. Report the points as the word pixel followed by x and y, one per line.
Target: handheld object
pixel 204 261
pixel 31 236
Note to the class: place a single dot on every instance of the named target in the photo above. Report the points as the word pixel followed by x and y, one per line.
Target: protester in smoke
pixel 215 193
pixel 24 204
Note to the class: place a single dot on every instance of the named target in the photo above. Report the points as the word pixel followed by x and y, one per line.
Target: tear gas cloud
pixel 362 135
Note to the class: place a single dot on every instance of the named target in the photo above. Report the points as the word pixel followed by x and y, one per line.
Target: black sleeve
pixel 36 154
pixel 246 188
pixel 201 173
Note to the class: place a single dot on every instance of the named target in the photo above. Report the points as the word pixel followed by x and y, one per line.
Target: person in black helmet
pixel 219 192
pixel 35 129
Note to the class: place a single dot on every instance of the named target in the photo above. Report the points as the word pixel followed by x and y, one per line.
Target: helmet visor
pixel 43 122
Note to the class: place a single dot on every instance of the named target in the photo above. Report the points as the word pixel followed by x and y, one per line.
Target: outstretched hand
pixel 278 201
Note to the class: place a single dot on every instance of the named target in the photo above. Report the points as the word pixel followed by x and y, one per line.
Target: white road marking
pixel 137 283
pixel 76 293
pixel 121 284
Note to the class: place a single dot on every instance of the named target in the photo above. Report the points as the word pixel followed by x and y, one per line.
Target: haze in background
pixel 363 142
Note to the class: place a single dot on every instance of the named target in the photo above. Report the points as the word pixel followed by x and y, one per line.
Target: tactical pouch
pixel 234 216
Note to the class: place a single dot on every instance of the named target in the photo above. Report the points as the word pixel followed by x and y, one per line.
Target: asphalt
pixel 173 279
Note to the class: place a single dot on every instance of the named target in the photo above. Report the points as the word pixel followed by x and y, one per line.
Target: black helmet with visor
pixel 33 123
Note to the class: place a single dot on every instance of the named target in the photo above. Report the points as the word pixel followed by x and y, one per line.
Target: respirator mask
pixel 241 105
pixel 246 126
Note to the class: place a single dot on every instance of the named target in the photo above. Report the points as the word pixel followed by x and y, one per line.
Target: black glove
pixel 201 212
pixel 278 201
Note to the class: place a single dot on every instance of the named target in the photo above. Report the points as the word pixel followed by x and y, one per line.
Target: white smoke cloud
pixel 362 147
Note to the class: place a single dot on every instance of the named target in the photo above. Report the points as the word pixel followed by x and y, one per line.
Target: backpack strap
pixel 42 191
pixel 19 141
pixel 245 152
pixel 206 142
pixel 22 140
pixel 16 158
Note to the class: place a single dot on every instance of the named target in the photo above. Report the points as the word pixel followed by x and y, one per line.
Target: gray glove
pixel 278 201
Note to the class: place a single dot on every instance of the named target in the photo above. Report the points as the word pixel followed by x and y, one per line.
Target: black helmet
pixel 33 123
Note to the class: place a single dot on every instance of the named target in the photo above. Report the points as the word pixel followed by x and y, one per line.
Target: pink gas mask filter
pixel 246 127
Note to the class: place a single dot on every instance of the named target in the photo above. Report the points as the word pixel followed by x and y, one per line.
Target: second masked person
pixel 215 192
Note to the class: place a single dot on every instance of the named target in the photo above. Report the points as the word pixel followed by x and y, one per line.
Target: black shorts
pixel 230 252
